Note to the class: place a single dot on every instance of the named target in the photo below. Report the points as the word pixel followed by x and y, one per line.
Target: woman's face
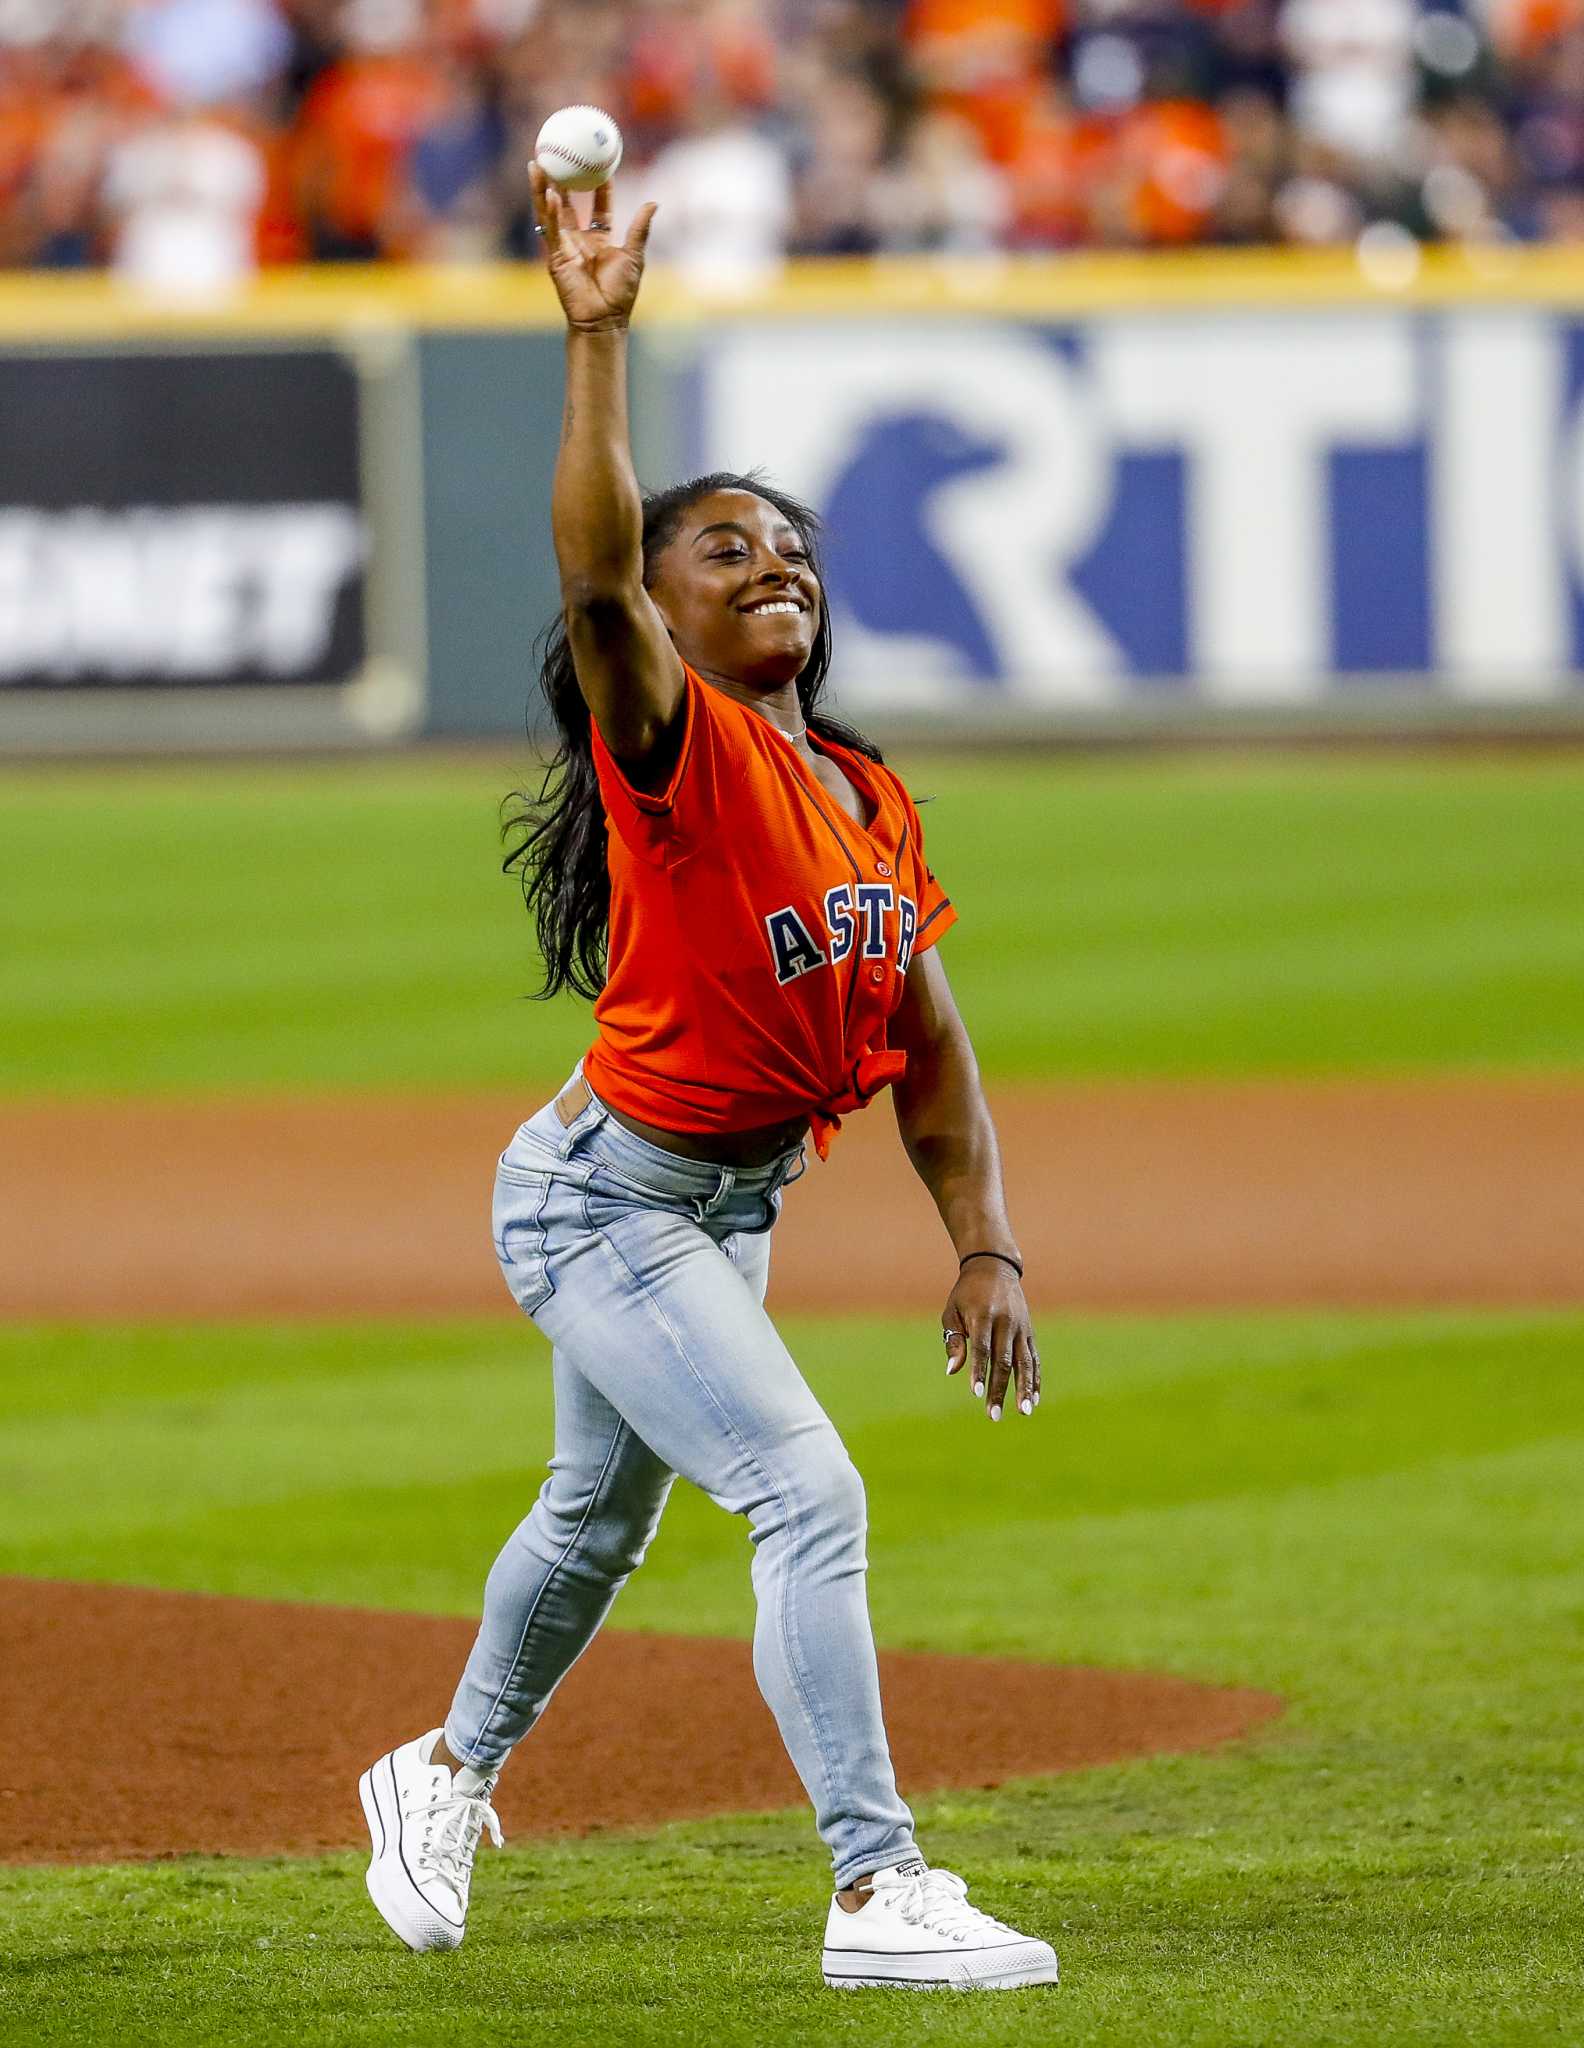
pixel 737 591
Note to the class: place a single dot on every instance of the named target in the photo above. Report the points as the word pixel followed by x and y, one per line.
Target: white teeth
pixel 776 607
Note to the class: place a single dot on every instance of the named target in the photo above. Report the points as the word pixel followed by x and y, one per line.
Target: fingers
pixel 1025 1366
pixel 998 1344
pixel 547 207
pixel 980 1332
pixel 1002 1346
pixel 600 218
pixel 638 234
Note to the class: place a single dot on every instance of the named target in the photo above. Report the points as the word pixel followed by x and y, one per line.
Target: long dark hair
pixel 556 839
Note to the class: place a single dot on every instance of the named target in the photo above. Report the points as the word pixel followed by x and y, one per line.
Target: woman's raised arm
pixel 627 669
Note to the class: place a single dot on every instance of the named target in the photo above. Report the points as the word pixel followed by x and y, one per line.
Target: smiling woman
pixel 700 568
pixel 740 883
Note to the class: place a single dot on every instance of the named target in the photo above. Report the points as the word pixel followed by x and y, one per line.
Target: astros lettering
pixel 869 908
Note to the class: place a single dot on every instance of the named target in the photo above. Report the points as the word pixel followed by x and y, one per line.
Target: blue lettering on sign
pixel 1136 574
pixel 888 572
pixel 890 575
pixel 1380 560
pixel 1254 504
pixel 1573 398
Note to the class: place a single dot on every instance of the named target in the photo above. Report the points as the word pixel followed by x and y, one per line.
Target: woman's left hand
pixel 986 1324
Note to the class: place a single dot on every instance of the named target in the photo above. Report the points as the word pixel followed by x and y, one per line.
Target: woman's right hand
pixel 595 279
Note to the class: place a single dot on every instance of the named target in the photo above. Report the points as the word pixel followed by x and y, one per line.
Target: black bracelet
pixel 1006 1259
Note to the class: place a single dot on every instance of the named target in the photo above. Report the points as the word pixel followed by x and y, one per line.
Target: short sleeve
pixel 665 824
pixel 936 912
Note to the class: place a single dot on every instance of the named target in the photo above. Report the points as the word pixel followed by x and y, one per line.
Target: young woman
pixel 742 885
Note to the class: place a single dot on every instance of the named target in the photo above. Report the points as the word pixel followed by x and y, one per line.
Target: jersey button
pixel 881 868
pixel 877 974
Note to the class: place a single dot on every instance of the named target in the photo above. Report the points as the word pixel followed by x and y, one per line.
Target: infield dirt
pixel 239 1727
pixel 1137 1196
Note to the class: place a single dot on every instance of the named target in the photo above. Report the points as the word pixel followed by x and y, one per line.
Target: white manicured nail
pixel 978 1390
pixel 995 1413
pixel 1028 1407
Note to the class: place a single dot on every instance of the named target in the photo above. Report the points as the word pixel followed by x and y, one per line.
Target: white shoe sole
pixel 848 1970
pixel 400 1904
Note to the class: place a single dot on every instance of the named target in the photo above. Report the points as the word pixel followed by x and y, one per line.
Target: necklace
pixel 791 738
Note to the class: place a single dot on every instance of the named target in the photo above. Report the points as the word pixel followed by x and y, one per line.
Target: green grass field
pixel 1380 1517
pixel 341 925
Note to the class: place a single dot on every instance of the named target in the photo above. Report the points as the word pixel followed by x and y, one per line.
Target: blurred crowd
pixel 185 141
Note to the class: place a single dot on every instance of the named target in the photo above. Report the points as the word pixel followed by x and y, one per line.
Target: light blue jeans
pixel 647 1272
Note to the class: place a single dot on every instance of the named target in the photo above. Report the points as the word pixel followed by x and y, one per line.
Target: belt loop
pixel 586 1125
pixel 726 1180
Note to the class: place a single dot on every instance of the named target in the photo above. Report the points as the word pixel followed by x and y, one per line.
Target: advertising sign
pixel 1251 510
pixel 186 540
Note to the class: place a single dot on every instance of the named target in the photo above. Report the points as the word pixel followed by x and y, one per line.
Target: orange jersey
pixel 758 935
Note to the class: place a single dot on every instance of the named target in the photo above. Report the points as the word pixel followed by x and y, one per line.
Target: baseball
pixel 578 148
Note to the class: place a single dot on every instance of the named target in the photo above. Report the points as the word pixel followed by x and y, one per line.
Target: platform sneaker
pixel 424 1824
pixel 916 1928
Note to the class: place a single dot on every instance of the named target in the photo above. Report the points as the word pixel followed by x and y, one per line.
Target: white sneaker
pixel 425 1825
pixel 917 1928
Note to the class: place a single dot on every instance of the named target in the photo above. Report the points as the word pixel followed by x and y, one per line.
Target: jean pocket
pixel 535 1145
pixel 519 1229
pixel 608 1192
pixel 600 1206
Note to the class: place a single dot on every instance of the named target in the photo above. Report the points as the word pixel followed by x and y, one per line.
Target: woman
pixel 756 879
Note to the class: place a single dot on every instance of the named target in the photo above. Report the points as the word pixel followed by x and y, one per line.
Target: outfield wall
pixel 1099 494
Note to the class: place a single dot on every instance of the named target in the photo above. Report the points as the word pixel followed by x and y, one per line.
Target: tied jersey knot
pixel 871 1072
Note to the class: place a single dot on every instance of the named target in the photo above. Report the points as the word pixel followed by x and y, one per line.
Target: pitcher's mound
pixel 185 1723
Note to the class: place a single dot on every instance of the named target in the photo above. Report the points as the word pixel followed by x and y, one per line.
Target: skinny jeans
pixel 647 1272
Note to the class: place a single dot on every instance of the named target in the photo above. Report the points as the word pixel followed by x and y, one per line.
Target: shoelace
pixel 938 1901
pixel 461 1817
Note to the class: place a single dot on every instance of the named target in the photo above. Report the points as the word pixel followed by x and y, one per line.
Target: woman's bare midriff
pixel 721 1148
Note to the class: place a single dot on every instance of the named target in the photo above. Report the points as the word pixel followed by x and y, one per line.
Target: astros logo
pixel 876 905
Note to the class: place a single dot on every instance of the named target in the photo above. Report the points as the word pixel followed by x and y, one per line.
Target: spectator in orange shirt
pixel 24 122
pixel 1525 26
pixel 985 61
pixel 1061 156
pixel 723 50
pixel 1175 157
pixel 358 122
pixel 75 101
